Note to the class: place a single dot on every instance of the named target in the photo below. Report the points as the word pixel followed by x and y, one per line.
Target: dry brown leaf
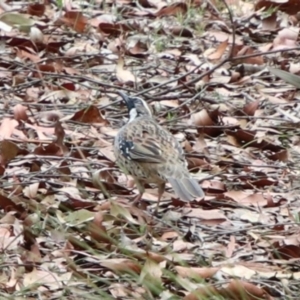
pixel 213 215
pixel 181 31
pixel 255 60
pixel 238 289
pixel 170 103
pixel 202 293
pixel 286 252
pixel 98 230
pixel 169 235
pixel 286 38
pixel 282 155
pixel 51 149
pixel 75 20
pixel 204 120
pixel 36 9
pixel 8 205
pixel 33 256
pixel 270 23
pixel 124 76
pixel 288 6
pixel 122 265
pixel 22 54
pixel 194 163
pixel 196 272
pixel 214 186
pixel 8 151
pixel 114 29
pixel 251 107
pixel 219 51
pixel 91 114
pixel 173 10
pixel 139 49
pixel 20 112
pixel 7 128
pixel 47 278
pixel 152 272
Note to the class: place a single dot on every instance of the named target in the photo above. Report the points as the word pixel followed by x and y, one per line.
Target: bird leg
pixel 141 189
pixel 137 199
pixel 161 190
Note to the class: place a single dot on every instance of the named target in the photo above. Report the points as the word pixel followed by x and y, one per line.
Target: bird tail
pixel 186 188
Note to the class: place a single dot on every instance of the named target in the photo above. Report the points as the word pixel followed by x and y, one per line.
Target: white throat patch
pixel 132 114
pixel 146 106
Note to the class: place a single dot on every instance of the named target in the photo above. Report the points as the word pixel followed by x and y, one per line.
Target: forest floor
pixel 221 76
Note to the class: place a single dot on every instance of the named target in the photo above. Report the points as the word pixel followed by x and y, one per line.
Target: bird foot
pixel 137 200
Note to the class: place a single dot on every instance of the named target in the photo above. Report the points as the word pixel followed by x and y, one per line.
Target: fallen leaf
pixel 173 10
pixel 91 114
pixel 75 20
pixel 124 76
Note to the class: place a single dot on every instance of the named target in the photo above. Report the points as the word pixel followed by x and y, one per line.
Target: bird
pixel 151 154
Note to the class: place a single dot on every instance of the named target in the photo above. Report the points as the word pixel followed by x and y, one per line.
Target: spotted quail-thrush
pixel 151 154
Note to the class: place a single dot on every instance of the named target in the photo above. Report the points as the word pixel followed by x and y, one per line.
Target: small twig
pixel 224 61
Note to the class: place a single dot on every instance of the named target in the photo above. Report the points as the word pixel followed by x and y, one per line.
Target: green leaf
pixel 20 21
pixel 77 218
pixel 116 210
pixel 286 76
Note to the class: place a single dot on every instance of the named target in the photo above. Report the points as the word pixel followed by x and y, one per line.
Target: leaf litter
pixel 223 81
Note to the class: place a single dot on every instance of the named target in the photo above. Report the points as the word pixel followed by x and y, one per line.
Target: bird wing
pixel 145 141
pixel 146 150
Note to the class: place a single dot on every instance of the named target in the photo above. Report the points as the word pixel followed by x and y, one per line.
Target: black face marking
pixel 130 104
pixel 125 147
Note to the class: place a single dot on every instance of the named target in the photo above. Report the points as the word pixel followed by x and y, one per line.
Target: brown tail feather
pixel 186 188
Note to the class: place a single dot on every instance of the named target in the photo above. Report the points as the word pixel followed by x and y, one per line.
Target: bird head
pixel 136 106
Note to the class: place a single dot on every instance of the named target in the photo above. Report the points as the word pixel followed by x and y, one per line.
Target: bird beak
pixel 127 99
pixel 124 96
